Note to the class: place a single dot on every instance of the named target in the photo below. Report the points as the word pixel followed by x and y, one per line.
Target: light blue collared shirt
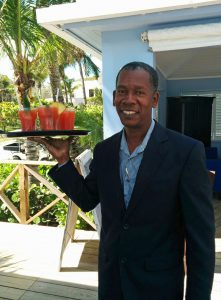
pixel 129 163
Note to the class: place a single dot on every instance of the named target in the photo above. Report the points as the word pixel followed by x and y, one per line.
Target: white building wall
pixel 119 48
pixel 89 84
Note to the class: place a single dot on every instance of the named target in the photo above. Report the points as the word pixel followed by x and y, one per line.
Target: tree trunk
pixel 62 75
pixel 55 81
pixel 24 85
pixel 31 150
pixel 32 153
pixel 65 90
pixel 83 83
pixel 66 93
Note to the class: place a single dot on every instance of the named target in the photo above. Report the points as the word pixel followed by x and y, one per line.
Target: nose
pixel 130 98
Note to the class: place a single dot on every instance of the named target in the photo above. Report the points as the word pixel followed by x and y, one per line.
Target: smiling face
pixel 134 99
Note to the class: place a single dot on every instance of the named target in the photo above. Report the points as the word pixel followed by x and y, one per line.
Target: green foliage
pixel 90 117
pixel 39 197
pixel 44 3
pixel 97 99
pixel 7 91
pixel 9 116
pixel 11 190
pixel 87 117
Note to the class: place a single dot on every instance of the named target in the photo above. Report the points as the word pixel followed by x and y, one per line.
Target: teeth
pixel 129 112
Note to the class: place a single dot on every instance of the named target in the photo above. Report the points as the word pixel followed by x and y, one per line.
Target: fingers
pixel 56 147
pixel 70 139
pixel 36 139
pixel 47 142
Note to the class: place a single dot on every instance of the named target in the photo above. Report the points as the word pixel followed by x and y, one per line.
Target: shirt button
pixel 126 226
pixel 123 260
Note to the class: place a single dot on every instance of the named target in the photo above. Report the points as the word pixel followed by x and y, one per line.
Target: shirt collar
pixel 142 146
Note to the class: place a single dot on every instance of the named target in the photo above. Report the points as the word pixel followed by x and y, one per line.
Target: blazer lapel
pixel 114 168
pixel 153 156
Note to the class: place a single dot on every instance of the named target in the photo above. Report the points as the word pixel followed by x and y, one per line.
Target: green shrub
pixel 9 116
pixel 90 117
pixel 87 117
pixel 39 197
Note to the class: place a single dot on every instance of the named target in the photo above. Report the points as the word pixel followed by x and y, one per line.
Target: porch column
pixel 119 48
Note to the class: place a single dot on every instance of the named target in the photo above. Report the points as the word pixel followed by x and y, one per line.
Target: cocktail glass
pixel 66 120
pixel 28 119
pixel 48 117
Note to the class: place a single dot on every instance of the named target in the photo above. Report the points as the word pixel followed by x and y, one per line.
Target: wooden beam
pixel 83 216
pixel 24 197
pixel 28 162
pixel 69 230
pixel 9 178
pixel 10 206
pixel 42 210
pixel 49 185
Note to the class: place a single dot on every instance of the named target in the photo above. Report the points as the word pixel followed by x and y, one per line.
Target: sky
pixel 6 67
pixel 71 72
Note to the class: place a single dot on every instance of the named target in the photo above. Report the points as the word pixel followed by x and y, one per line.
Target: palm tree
pixel 55 77
pixel 87 66
pixel 62 54
pixel 28 45
pixel 40 75
pixel 76 57
pixel 21 39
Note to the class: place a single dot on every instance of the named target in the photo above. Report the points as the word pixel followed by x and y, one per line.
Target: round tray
pixel 43 133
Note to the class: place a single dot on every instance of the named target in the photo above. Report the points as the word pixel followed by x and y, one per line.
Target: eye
pixel 139 92
pixel 121 92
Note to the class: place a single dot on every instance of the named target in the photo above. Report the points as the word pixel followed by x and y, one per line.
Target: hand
pixel 58 148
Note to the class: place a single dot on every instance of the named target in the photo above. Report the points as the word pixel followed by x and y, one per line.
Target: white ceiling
pixel 84 29
pixel 190 63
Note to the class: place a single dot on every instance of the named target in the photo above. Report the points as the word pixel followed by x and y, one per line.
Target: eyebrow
pixel 121 86
pixel 124 87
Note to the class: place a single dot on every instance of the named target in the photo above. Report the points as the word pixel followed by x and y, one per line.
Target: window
pixel 216 118
pixel 216 112
pixel 91 92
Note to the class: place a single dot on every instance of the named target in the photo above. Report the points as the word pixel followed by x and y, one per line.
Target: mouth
pixel 128 112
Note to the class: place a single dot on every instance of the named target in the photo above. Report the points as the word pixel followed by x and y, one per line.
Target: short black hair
pixel 134 65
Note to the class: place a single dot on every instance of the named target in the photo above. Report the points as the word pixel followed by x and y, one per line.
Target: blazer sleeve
pixel 82 191
pixel 198 215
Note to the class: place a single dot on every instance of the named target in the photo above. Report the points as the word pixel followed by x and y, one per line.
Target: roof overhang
pixel 183 37
pixel 82 22
pixel 186 51
pixel 190 51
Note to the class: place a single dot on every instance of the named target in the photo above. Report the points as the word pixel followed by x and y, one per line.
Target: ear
pixel 114 94
pixel 155 99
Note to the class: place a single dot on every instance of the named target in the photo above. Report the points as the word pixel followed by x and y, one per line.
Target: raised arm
pixel 58 148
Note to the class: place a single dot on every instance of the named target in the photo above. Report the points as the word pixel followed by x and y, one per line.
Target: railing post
pixel 24 194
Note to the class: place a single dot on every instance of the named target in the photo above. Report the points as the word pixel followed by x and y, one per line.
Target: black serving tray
pixel 45 133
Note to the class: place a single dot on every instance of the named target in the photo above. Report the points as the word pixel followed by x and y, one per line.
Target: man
pixel 154 191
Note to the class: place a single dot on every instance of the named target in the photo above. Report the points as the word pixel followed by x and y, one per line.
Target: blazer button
pixel 126 226
pixel 123 260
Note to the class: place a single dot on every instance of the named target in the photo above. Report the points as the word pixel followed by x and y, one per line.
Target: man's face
pixel 134 99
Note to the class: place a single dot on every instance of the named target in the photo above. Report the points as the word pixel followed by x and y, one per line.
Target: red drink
pixel 28 119
pixel 66 120
pixel 48 117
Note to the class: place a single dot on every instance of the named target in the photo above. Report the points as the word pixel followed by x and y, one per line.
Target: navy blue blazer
pixel 142 247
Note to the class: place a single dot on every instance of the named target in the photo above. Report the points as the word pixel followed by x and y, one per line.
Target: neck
pixel 134 138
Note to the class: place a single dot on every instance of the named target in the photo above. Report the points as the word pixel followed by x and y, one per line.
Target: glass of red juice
pixel 66 120
pixel 48 117
pixel 28 119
